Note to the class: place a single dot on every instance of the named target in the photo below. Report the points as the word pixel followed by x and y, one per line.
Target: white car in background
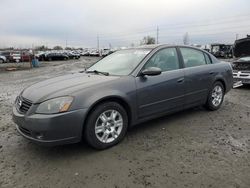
pixel 3 59
pixel 16 56
pixel 94 52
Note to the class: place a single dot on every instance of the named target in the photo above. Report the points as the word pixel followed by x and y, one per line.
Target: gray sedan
pixel 123 89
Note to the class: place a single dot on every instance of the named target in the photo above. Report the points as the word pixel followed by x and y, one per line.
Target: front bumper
pixel 53 129
pixel 243 76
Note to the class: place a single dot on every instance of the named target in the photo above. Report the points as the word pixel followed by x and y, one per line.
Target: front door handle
pixel 212 72
pixel 180 80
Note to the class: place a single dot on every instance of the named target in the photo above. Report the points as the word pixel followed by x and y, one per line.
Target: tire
pixel 217 91
pixel 1 61
pixel 100 135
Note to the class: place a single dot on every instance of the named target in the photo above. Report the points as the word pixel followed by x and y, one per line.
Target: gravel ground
pixel 193 148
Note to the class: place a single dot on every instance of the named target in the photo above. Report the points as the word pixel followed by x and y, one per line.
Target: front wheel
pixel 216 96
pixel 106 125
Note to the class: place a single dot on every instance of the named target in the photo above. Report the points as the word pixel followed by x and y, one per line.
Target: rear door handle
pixel 180 80
pixel 211 72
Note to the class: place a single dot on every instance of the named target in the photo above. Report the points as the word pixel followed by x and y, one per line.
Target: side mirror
pixel 151 71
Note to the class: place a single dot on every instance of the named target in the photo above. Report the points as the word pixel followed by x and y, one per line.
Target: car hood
pixel 242 47
pixel 245 59
pixel 63 85
pixel 242 64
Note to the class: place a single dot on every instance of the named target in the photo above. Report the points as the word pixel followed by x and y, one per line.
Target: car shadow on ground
pixel 82 148
pixel 244 87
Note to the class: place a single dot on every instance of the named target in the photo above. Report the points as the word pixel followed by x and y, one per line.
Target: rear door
pixel 164 92
pixel 199 75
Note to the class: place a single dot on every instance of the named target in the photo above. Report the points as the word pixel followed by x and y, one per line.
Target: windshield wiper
pixel 98 72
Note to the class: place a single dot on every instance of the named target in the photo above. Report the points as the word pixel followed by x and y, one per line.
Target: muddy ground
pixel 194 148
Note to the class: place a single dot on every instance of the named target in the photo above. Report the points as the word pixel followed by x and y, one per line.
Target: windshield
pixel 121 62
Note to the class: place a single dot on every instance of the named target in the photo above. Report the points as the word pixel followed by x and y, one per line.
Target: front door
pixel 164 92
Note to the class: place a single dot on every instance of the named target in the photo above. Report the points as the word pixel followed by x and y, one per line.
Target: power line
pixel 179 27
pixel 197 24
pixel 157 35
pixel 203 26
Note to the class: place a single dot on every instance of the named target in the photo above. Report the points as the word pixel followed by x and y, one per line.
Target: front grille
pixel 25 131
pixel 244 75
pixel 23 105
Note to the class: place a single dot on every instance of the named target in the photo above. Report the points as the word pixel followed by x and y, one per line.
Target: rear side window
pixel 192 57
pixel 165 59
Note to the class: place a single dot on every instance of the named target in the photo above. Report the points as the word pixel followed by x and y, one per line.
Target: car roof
pixel 154 46
pixel 150 46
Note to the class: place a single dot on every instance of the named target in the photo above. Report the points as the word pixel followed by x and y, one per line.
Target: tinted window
pixel 192 57
pixel 208 60
pixel 165 59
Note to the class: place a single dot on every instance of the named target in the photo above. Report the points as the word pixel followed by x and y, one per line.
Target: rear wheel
pixel 1 61
pixel 106 125
pixel 216 96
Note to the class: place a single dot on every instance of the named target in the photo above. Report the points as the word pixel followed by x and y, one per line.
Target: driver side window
pixel 165 59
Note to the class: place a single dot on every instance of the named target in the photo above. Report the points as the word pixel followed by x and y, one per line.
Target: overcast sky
pixel 25 23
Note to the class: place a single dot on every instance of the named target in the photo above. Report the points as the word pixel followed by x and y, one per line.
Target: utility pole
pixel 98 44
pixel 237 36
pixel 157 35
pixel 66 43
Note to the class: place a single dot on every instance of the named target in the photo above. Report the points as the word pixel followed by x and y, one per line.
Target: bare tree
pixel 57 48
pixel 41 48
pixel 68 48
pixel 148 40
pixel 186 39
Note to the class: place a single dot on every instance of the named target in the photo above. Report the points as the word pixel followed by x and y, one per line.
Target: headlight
pixel 56 105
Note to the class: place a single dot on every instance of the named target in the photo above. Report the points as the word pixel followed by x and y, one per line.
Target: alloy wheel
pixel 108 126
pixel 217 95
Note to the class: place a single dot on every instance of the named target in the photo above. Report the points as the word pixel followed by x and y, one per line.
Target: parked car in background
pixel 94 52
pixel 3 59
pixel 136 85
pixel 77 54
pixel 228 51
pixel 55 56
pixel 241 47
pixel 106 52
pixel 241 69
pixel 7 54
pixel 72 55
pixel 16 56
pixel 222 50
pixel 41 56
pixel 241 66
pixel 25 56
pixel 85 52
